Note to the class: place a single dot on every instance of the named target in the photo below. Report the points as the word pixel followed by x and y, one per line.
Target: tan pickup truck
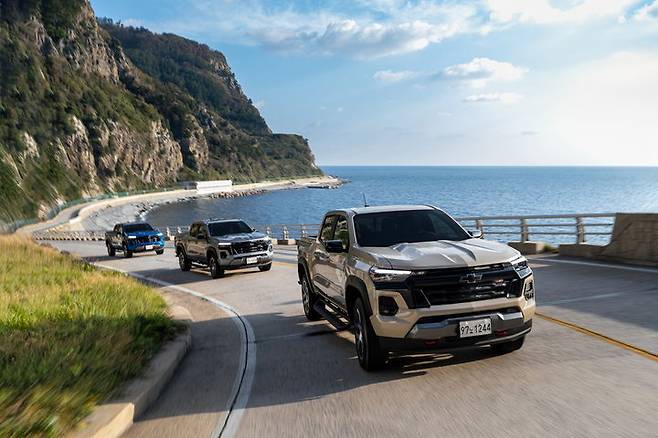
pixel 410 278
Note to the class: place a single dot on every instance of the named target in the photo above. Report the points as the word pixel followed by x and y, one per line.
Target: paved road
pixel 307 382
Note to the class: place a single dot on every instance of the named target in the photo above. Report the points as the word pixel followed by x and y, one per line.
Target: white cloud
pixel 390 77
pixel 552 11
pixel 647 12
pixel 480 71
pixel 493 97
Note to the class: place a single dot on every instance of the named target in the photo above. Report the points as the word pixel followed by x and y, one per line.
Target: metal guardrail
pixel 578 226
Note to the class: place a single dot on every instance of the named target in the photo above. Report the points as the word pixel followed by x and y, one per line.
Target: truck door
pixel 193 242
pixel 117 236
pixel 320 265
pixel 336 264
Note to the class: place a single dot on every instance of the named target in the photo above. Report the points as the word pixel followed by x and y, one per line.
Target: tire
pixel 370 355
pixel 309 298
pixel 183 261
pixel 266 267
pixel 215 270
pixel 159 251
pixel 508 347
pixel 127 254
pixel 110 249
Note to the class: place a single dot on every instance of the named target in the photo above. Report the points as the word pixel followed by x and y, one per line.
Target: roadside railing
pixel 578 228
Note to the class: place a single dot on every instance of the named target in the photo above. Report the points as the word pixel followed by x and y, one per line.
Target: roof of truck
pixel 387 208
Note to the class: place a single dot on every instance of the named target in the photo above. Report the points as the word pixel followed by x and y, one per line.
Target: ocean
pixel 460 191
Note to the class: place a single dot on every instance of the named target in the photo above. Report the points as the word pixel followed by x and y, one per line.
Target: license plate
pixel 475 327
pixel 147 247
pixel 251 260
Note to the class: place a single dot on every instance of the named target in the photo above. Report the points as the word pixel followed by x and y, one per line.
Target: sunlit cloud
pixel 480 71
pixel 390 77
pixel 493 97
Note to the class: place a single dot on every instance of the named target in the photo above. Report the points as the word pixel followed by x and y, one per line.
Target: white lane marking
pixel 243 381
pixel 591 297
pixel 598 265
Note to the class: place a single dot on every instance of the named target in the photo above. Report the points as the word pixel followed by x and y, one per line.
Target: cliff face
pixel 88 108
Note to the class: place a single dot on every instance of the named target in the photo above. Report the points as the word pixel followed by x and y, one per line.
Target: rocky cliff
pixel 89 107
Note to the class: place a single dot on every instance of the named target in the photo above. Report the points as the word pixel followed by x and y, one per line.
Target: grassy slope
pixel 69 336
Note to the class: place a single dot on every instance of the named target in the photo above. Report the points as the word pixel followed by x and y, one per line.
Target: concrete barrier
pixel 634 240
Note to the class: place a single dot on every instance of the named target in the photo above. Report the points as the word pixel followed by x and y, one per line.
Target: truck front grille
pixel 147 239
pixel 249 247
pixel 450 286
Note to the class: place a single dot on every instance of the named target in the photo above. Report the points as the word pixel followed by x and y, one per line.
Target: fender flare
pixel 360 286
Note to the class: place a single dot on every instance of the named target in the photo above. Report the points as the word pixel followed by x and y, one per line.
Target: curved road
pixel 597 377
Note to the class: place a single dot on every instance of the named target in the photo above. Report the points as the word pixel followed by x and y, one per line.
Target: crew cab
pixel 410 278
pixel 223 245
pixel 132 238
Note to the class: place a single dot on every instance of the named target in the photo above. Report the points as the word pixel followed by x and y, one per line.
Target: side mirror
pixel 476 234
pixel 334 246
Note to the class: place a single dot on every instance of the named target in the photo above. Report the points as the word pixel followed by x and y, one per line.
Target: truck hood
pixel 144 233
pixel 444 254
pixel 240 237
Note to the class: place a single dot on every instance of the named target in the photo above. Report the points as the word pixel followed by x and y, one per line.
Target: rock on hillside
pixel 87 108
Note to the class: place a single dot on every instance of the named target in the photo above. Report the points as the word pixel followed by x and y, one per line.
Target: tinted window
pixel 341 233
pixel 132 228
pixel 391 228
pixel 327 228
pixel 226 228
pixel 194 230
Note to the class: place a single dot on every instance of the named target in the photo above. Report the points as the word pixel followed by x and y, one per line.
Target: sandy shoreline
pixel 102 215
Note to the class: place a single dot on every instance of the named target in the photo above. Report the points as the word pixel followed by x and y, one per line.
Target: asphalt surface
pixel 303 379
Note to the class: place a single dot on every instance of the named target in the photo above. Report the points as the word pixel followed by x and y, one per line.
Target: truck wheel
pixel 183 262
pixel 309 298
pixel 266 267
pixel 127 254
pixel 215 270
pixel 110 249
pixel 508 347
pixel 159 251
pixel 368 350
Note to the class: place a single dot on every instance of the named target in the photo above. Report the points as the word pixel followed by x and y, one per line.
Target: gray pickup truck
pixel 223 245
pixel 410 278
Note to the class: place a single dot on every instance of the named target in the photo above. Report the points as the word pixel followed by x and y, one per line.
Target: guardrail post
pixel 285 232
pixel 479 225
pixel 304 232
pixel 580 230
pixel 525 234
pixel 268 231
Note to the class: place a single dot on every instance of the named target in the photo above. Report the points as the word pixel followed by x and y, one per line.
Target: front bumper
pixel 142 246
pixel 453 341
pixel 437 327
pixel 229 261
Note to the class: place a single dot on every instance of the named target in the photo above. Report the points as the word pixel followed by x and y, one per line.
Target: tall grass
pixel 69 336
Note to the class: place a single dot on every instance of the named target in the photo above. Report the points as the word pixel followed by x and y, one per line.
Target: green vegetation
pixel 117 82
pixel 69 336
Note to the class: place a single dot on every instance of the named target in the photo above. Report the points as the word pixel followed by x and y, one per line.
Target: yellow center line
pixel 644 353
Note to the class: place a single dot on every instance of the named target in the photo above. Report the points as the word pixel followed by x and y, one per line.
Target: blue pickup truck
pixel 135 237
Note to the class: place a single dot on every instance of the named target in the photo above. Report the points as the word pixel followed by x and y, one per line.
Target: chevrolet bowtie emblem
pixel 470 278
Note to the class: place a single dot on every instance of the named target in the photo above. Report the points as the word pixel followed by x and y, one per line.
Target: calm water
pixel 461 191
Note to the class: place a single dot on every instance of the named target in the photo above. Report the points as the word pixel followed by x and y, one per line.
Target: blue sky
pixel 443 82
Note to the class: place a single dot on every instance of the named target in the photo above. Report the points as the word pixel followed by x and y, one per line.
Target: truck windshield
pixel 225 228
pixel 133 228
pixel 391 228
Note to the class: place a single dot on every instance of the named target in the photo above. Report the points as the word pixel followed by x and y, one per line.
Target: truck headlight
pixel 388 275
pixel 520 265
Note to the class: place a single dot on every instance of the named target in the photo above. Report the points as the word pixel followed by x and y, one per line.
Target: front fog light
pixel 529 290
pixel 387 306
